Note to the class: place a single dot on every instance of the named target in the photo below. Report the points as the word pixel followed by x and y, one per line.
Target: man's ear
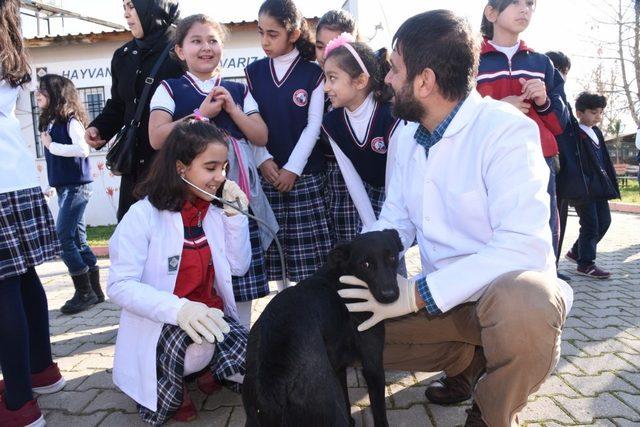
pixel 395 237
pixel 339 256
pixel 424 84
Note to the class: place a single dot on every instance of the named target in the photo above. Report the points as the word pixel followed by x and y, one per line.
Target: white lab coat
pixel 144 252
pixel 479 203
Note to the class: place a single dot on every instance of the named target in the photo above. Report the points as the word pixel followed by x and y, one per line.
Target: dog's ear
pixel 339 256
pixel 395 237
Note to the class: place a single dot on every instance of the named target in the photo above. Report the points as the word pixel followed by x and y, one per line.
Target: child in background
pixel 593 210
pixel 331 25
pixel 288 89
pixel 62 121
pixel 201 90
pixel 512 72
pixel 360 129
pixel 172 257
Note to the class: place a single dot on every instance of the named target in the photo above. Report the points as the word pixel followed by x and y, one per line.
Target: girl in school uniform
pixel 512 72
pixel 62 119
pixel 360 129
pixel 288 89
pixel 331 25
pixel 201 91
pixel 172 257
pixel 27 239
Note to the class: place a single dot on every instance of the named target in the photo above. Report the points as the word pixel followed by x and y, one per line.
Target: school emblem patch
pixel 301 98
pixel 378 145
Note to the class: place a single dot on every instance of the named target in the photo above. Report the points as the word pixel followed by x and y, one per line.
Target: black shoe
pixel 447 391
pixel 83 298
pixel 94 279
pixel 474 417
pixel 563 277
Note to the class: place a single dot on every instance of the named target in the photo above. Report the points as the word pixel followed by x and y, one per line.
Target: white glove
pixel 230 192
pixel 198 321
pixel 405 304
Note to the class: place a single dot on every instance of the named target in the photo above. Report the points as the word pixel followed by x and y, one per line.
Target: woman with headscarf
pixel 150 24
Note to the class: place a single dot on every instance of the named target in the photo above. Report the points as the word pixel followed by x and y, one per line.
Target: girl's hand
pixel 520 102
pixel 285 181
pixel 46 139
pixel 222 93
pixel 270 171
pixel 535 90
pixel 211 106
pixel 93 138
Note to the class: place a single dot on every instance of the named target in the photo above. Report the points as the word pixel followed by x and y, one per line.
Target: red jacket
pixel 498 77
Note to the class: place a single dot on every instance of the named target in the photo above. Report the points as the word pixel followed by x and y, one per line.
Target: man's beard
pixel 406 106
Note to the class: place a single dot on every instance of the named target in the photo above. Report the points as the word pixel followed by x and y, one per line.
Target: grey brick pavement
pixel 596 383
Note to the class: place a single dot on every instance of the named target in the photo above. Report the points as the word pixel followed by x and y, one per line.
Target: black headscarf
pixel 156 17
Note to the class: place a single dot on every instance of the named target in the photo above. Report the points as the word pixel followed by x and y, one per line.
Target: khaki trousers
pixel 517 321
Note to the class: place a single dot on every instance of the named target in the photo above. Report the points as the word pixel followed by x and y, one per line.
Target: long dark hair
pixel 287 14
pixel 64 102
pixel 377 65
pixel 486 27
pixel 340 21
pixel 163 186
pixel 14 65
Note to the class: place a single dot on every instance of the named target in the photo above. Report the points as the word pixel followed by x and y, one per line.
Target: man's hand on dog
pixel 405 304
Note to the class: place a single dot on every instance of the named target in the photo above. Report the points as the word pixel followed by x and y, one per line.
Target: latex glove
pixel 230 192
pixel 405 304
pixel 198 321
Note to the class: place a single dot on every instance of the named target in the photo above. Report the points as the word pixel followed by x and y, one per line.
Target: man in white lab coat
pixel 470 180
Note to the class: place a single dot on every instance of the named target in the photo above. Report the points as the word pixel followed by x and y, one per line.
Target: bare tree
pixel 623 53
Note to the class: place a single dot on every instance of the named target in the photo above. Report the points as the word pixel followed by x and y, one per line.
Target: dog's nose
pixel 389 295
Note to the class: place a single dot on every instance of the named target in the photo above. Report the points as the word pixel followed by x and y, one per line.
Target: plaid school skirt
pixel 228 359
pixel 27 232
pixel 254 283
pixel 304 227
pixel 345 217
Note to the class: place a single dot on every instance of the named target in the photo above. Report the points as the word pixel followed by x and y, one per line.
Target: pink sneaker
pixel 571 257
pixel 46 382
pixel 27 416
pixel 593 271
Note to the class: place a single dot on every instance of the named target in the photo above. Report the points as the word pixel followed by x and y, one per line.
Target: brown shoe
pixel 474 417
pixel 447 391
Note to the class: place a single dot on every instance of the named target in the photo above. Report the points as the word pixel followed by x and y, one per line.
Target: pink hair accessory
pixel 197 116
pixel 345 40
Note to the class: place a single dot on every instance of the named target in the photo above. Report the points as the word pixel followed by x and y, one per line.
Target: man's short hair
pixel 443 42
pixel 560 61
pixel 590 101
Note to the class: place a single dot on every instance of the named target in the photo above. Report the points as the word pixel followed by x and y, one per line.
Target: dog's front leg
pixel 371 347
pixel 342 375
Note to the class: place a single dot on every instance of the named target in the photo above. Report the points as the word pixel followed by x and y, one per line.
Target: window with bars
pixel 93 99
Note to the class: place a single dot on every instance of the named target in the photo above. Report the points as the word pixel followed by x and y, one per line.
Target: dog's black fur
pixel 300 347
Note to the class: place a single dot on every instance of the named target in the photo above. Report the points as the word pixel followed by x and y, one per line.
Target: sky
pixel 566 25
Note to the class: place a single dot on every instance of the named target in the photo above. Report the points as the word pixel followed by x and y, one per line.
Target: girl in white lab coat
pixel 172 257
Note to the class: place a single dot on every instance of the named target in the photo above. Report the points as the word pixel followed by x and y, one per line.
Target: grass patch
pixel 630 193
pixel 99 235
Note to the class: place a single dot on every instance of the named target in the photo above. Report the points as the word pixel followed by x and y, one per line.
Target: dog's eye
pixel 366 264
pixel 392 258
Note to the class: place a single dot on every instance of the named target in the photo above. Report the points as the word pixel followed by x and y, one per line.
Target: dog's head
pixel 373 258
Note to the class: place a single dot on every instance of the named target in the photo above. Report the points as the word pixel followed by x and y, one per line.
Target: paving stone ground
pixel 597 381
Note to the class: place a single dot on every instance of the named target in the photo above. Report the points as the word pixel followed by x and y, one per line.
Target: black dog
pixel 300 347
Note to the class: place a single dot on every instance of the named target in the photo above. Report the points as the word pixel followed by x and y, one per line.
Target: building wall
pixel 88 66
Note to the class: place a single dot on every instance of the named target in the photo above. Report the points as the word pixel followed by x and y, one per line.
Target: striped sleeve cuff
pixel 425 293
